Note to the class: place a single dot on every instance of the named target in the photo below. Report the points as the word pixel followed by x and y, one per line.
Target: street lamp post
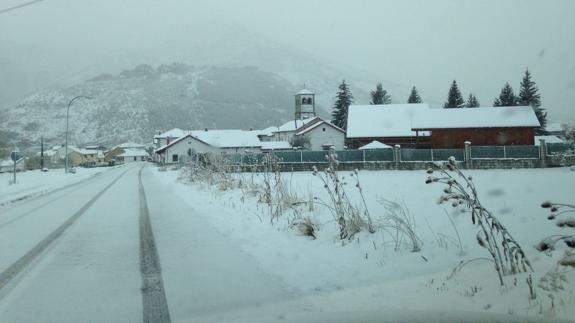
pixel 67 112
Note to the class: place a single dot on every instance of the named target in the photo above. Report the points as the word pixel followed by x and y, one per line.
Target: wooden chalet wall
pixel 456 138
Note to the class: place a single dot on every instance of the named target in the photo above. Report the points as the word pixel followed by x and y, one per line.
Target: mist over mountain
pixel 132 105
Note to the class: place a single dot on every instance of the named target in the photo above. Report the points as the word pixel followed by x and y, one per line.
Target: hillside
pixel 133 104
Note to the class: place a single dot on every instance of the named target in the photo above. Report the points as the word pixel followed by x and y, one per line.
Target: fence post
pixel 467 155
pixel 431 154
pixel 504 152
pixel 542 153
pixel 363 153
pixel 397 155
pixel 301 156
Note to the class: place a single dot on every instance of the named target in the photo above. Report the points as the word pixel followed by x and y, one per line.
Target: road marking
pixel 7 275
pixel 155 305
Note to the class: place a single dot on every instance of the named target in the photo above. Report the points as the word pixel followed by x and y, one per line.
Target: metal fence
pixel 406 154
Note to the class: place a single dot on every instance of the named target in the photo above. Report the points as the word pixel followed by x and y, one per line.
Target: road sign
pixel 15 156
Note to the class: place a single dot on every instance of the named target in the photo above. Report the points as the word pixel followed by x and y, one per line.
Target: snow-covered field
pixel 35 183
pixel 369 273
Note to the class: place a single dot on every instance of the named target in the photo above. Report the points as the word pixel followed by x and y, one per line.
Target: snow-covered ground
pixel 35 183
pixel 367 274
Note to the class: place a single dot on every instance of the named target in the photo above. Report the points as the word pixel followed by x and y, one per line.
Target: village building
pixel 85 157
pixel 7 166
pixel 130 155
pixel 390 124
pixel 137 150
pixel 204 141
pixel 485 126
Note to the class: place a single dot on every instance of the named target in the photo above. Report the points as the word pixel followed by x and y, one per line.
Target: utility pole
pixel 67 113
pixel 42 153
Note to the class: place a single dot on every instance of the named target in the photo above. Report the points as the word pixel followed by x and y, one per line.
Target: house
pixel 319 134
pixel 548 140
pixel 390 124
pixel 555 129
pixel 120 149
pixel 7 166
pixel 130 155
pixel 164 138
pixel 204 141
pixel 85 157
pixel 486 126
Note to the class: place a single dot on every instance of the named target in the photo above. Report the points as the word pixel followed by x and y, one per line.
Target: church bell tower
pixel 304 104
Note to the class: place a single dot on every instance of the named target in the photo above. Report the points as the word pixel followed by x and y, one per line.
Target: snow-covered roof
pixel 316 123
pixel 173 133
pixel 221 139
pixel 134 153
pixel 269 131
pixel 386 120
pixel 98 153
pixel 554 127
pixel 304 92
pixel 9 162
pixel 129 145
pixel 293 125
pixel 548 139
pixel 375 145
pixel 228 138
pixel 484 117
pixel 275 145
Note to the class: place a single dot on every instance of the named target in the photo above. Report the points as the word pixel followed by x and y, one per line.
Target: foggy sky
pixel 481 44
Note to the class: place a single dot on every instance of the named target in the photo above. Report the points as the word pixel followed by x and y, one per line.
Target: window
pixel 323 129
pixel 174 158
pixel 135 158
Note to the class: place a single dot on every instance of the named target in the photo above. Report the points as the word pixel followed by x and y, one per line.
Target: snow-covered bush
pixel 460 191
pixel 563 216
pixel 351 218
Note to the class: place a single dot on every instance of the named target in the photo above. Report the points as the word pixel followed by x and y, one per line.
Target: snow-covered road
pixel 88 254
pixel 128 246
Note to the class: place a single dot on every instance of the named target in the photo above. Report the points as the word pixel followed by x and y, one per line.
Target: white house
pixel 7 166
pixel 132 155
pixel 204 141
pixel 321 135
pixel 164 138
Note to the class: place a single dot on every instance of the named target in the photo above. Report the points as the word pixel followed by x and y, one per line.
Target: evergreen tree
pixel 472 102
pixel 507 97
pixel 454 98
pixel 414 96
pixel 344 99
pixel 380 96
pixel 529 96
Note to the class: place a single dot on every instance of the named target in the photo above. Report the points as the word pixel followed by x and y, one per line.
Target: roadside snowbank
pixel 367 273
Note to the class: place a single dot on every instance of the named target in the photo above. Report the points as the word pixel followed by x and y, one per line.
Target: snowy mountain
pixel 132 105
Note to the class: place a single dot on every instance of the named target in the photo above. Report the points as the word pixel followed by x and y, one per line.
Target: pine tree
pixel 454 99
pixel 472 102
pixel 414 96
pixel 344 99
pixel 529 96
pixel 380 96
pixel 507 97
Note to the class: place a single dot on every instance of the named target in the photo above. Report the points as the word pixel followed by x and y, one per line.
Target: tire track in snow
pixel 155 305
pixel 16 268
